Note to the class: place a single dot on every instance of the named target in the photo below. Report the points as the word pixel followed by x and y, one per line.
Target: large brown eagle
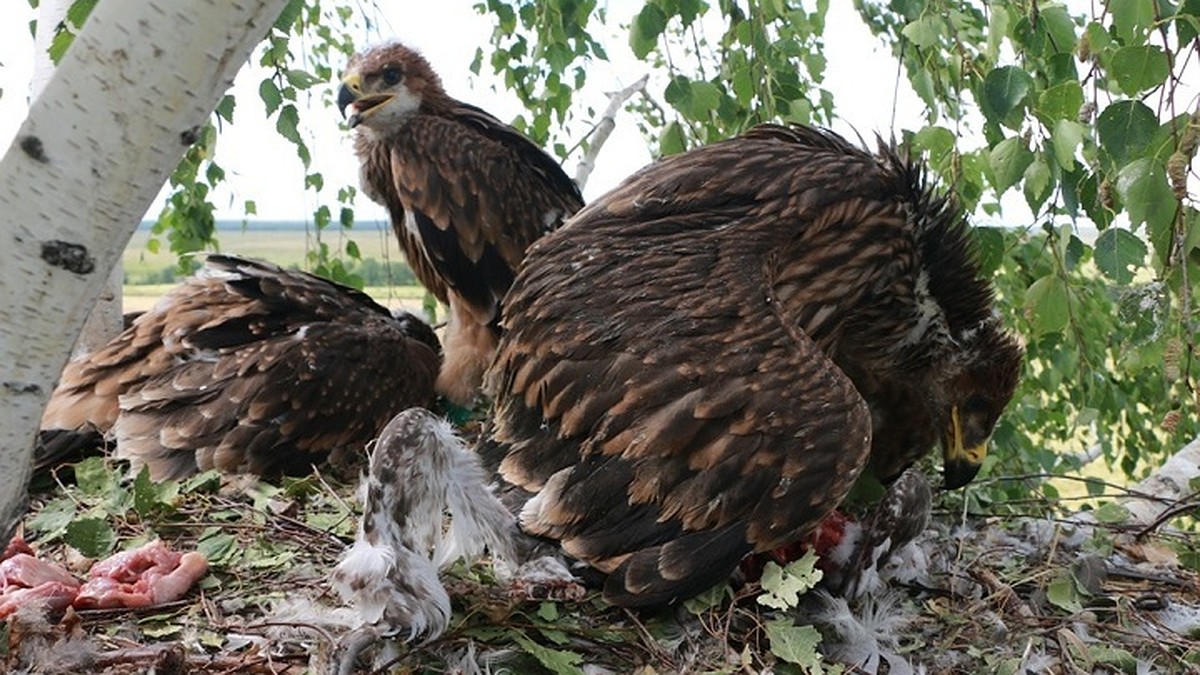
pixel 467 195
pixel 701 364
pixel 247 367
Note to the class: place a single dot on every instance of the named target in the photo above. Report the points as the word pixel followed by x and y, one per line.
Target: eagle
pixel 466 193
pixel 246 368
pixel 699 365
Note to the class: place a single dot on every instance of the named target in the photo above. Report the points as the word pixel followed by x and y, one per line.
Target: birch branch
pixel 603 128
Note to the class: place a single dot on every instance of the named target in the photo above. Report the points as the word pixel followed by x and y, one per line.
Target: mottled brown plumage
pixel 701 364
pixel 248 367
pixel 467 195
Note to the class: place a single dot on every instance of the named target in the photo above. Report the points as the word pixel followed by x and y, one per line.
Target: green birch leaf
pixel 53 518
pixel 1046 305
pixel 1038 183
pixel 557 661
pixel 1147 195
pixel 1064 140
pixel 1004 89
pixel 1132 18
pixel 288 16
pixel 671 141
pixel 91 536
pixel 288 122
pixel 1008 161
pixel 225 107
pixel 795 644
pixel 925 31
pixel 1116 251
pixel 79 11
pixel 647 26
pixel 1112 513
pixel 94 477
pixel 783 586
pixel 270 95
pixel 1126 129
pixel 989 249
pixel 1060 102
pixel 1062 594
pixel 1138 69
pixel 705 98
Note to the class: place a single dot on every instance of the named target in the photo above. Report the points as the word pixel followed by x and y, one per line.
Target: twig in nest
pixel 291 624
pixel 1007 597
pixel 1177 510
pixel 173 658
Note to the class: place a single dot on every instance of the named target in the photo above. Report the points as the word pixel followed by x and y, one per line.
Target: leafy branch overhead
pixel 304 49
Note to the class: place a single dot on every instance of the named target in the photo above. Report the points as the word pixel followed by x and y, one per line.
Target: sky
pixel 262 167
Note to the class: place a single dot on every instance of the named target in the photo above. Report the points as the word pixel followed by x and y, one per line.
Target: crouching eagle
pixel 467 195
pixel 700 366
pixel 247 367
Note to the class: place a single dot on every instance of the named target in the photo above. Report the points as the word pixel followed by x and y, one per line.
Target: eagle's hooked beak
pixel 960 463
pixel 350 95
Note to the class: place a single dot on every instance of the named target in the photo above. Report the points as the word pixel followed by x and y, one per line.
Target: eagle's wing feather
pixel 277 405
pixel 722 428
pixel 477 194
pixel 249 367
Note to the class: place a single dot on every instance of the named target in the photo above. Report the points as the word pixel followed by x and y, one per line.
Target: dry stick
pixel 135 655
pixel 608 122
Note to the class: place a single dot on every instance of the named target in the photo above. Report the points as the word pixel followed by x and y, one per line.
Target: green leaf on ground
pixel 1062 593
pixel 783 586
pixel 93 537
pixel 795 644
pixel 558 661
pixel 1112 513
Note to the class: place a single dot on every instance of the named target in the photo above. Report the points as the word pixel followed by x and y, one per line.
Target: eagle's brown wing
pixel 658 398
pixel 476 194
pixel 278 404
pixel 248 349
pixel 86 396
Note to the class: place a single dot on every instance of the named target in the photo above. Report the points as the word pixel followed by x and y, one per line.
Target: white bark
pixel 50 13
pixel 91 156
pixel 104 321
pixel 1167 487
pixel 608 122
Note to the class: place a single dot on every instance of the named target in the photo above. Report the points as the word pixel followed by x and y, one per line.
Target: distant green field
pixel 287 248
pixel 149 275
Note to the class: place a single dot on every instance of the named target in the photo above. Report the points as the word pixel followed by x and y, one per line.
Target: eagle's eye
pixel 392 75
pixel 976 404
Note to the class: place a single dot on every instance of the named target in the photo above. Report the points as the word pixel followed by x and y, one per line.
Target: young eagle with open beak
pixel 467 195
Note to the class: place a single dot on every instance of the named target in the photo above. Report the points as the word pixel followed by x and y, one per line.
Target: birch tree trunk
pixel 91 156
pixel 104 321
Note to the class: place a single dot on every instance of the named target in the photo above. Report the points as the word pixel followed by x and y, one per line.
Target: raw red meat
pixel 25 580
pixel 150 575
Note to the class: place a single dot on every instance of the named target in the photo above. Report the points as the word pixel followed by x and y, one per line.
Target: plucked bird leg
pixel 419 471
